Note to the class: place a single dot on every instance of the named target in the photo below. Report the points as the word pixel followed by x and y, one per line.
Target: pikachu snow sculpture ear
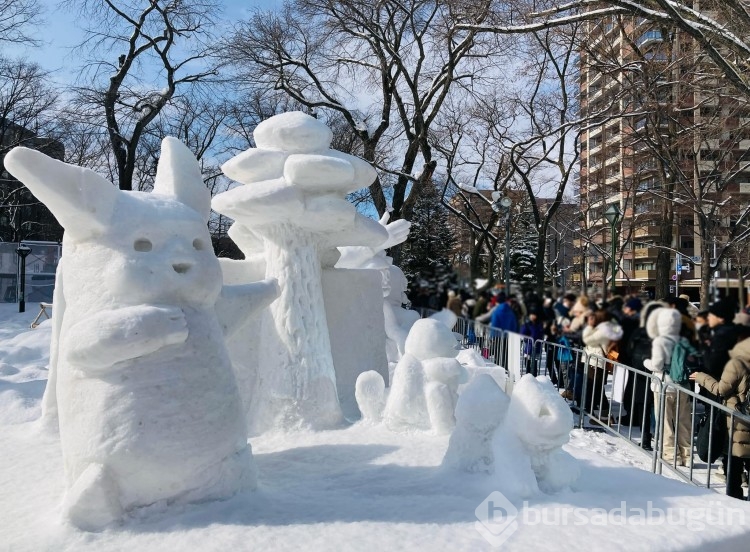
pixel 178 175
pixel 82 201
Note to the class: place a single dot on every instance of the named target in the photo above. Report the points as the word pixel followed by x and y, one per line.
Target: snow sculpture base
pixel 354 311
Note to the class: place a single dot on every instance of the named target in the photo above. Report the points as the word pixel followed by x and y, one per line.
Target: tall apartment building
pixel 666 139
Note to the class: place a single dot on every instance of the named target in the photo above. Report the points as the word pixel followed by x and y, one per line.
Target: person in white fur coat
pixel 663 327
pixel 599 336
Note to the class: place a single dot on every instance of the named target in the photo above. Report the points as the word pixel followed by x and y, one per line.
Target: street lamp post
pixel 22 252
pixel 503 203
pixel 613 214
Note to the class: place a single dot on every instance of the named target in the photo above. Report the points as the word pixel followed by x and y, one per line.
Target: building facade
pixel 665 141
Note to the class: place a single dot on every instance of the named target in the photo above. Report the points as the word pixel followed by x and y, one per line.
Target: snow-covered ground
pixel 358 488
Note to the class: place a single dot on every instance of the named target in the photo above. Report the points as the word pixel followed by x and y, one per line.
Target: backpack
pixel 639 348
pixel 685 360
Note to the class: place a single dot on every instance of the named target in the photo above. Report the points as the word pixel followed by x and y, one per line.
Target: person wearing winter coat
pixel 723 338
pixel 733 386
pixel 533 328
pixel 454 303
pixel 599 336
pixel 638 398
pixel 503 318
pixel 663 327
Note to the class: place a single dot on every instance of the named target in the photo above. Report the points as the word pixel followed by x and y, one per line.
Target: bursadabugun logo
pixel 496 519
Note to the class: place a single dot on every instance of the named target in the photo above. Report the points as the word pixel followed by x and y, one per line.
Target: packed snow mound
pixel 140 381
pixel 538 415
pixel 370 395
pixel 471 357
pixel 480 410
pixel 446 316
pixel 23 367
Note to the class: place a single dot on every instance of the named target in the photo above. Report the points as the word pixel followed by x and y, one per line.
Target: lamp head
pixel 613 213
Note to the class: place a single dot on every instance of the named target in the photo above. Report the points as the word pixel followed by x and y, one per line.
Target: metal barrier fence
pixel 658 418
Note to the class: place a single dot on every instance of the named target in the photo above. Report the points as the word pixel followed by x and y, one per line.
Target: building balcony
pixel 646 253
pixel 612 180
pixel 644 274
pixel 648 38
pixel 647 231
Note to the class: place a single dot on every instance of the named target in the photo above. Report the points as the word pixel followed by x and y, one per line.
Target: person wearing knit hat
pixel 632 306
pixel 723 338
pixel 723 309
pixel 692 310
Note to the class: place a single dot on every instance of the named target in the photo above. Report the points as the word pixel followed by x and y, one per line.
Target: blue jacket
pixel 503 318
pixel 534 330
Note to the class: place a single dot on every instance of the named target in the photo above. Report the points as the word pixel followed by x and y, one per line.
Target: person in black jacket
pixel 723 338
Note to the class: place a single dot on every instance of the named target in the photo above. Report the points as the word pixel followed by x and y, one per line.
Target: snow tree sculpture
pixel 140 380
pixel 292 208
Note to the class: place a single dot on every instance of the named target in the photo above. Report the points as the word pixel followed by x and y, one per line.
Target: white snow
pixel 481 408
pixel 363 486
pixel 425 384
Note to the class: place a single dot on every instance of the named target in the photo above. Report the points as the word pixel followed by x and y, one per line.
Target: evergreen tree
pixel 425 255
pixel 523 256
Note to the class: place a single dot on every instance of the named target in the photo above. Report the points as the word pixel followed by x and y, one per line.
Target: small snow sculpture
pixel 370 395
pixel 541 421
pixel 480 410
pixel 147 404
pixel 425 383
pixel 293 204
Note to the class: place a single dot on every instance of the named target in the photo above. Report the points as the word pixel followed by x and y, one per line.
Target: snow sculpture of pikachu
pixel 148 408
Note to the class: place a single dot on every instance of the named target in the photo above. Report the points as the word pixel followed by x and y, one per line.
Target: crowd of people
pixel 640 334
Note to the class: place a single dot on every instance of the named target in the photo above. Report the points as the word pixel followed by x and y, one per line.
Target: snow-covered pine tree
pixel 523 256
pixel 425 255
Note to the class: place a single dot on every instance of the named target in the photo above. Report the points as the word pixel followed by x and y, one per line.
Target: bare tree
pixel 131 48
pixel 27 105
pixel 386 67
pixel 16 20
pixel 718 26
pixel 529 141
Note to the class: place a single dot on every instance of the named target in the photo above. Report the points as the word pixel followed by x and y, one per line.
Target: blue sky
pixel 59 32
